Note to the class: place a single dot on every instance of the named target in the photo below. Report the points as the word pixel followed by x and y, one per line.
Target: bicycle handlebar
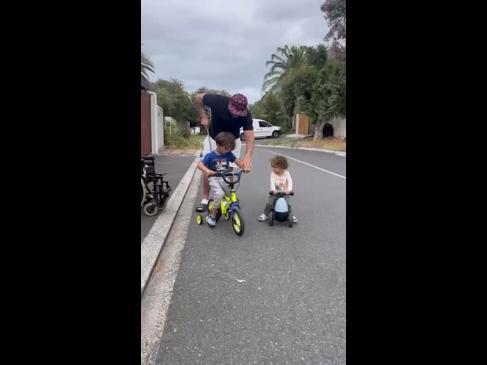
pixel 224 174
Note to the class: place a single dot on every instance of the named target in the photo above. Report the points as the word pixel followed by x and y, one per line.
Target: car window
pixel 264 124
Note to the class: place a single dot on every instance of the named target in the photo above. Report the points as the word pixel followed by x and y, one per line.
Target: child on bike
pixel 215 161
pixel 281 181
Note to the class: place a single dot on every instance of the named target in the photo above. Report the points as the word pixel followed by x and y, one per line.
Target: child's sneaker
pixel 211 221
pixel 262 218
pixel 203 206
pixel 295 220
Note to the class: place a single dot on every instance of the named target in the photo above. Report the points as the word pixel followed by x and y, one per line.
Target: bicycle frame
pixel 230 200
pixel 228 204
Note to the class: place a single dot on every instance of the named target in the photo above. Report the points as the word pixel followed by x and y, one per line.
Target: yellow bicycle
pixel 229 205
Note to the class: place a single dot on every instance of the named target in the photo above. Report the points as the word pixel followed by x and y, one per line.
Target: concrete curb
pixel 155 302
pixel 155 239
pixel 338 153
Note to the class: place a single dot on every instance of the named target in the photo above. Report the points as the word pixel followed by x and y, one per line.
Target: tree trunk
pixel 318 131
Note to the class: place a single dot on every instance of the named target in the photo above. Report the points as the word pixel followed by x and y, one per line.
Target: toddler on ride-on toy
pixel 278 206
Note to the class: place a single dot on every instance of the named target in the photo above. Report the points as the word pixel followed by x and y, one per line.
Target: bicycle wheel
pixel 211 205
pixel 238 223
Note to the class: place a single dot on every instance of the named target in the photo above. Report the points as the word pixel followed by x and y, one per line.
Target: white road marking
pixel 308 164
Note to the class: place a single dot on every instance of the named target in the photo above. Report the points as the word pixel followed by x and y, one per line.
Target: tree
pixel 210 91
pixel 317 56
pixel 282 63
pixel 146 66
pixel 297 88
pixel 335 12
pixel 304 79
pixel 328 95
pixel 290 79
pixel 176 102
pixel 269 108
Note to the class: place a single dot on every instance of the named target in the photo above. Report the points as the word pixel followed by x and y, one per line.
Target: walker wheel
pixel 150 208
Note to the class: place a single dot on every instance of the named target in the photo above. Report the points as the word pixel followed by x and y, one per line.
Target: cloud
pixel 223 44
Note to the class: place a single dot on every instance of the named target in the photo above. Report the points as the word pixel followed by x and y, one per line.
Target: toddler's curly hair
pixel 279 161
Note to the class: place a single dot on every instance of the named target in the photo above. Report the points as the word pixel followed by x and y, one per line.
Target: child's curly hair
pixel 279 161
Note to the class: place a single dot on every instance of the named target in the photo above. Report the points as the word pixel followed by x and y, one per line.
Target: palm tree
pixel 289 58
pixel 145 65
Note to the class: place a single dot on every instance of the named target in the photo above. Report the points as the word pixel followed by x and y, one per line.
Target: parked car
pixel 262 129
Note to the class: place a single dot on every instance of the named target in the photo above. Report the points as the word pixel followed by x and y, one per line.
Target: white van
pixel 262 129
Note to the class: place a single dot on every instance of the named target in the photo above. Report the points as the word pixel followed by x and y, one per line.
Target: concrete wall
pixel 145 123
pixel 153 122
pixel 339 127
pixel 156 123
pixel 160 128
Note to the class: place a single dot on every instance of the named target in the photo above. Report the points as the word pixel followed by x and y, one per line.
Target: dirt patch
pixel 329 143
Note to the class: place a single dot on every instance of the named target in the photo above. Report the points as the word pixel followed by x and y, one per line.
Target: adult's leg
pixel 209 145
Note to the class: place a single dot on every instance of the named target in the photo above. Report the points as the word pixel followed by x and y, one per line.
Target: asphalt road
pixel 276 295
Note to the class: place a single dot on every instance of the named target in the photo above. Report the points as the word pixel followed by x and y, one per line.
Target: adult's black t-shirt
pixel 222 120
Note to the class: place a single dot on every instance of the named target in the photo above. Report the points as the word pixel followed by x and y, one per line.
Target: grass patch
pixel 287 142
pixel 177 141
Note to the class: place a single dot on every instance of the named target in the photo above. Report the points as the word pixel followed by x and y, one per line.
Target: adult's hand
pixel 247 164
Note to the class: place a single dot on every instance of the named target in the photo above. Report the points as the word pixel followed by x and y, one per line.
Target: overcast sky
pixel 224 44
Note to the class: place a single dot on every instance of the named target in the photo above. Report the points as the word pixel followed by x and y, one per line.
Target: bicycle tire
pixel 238 223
